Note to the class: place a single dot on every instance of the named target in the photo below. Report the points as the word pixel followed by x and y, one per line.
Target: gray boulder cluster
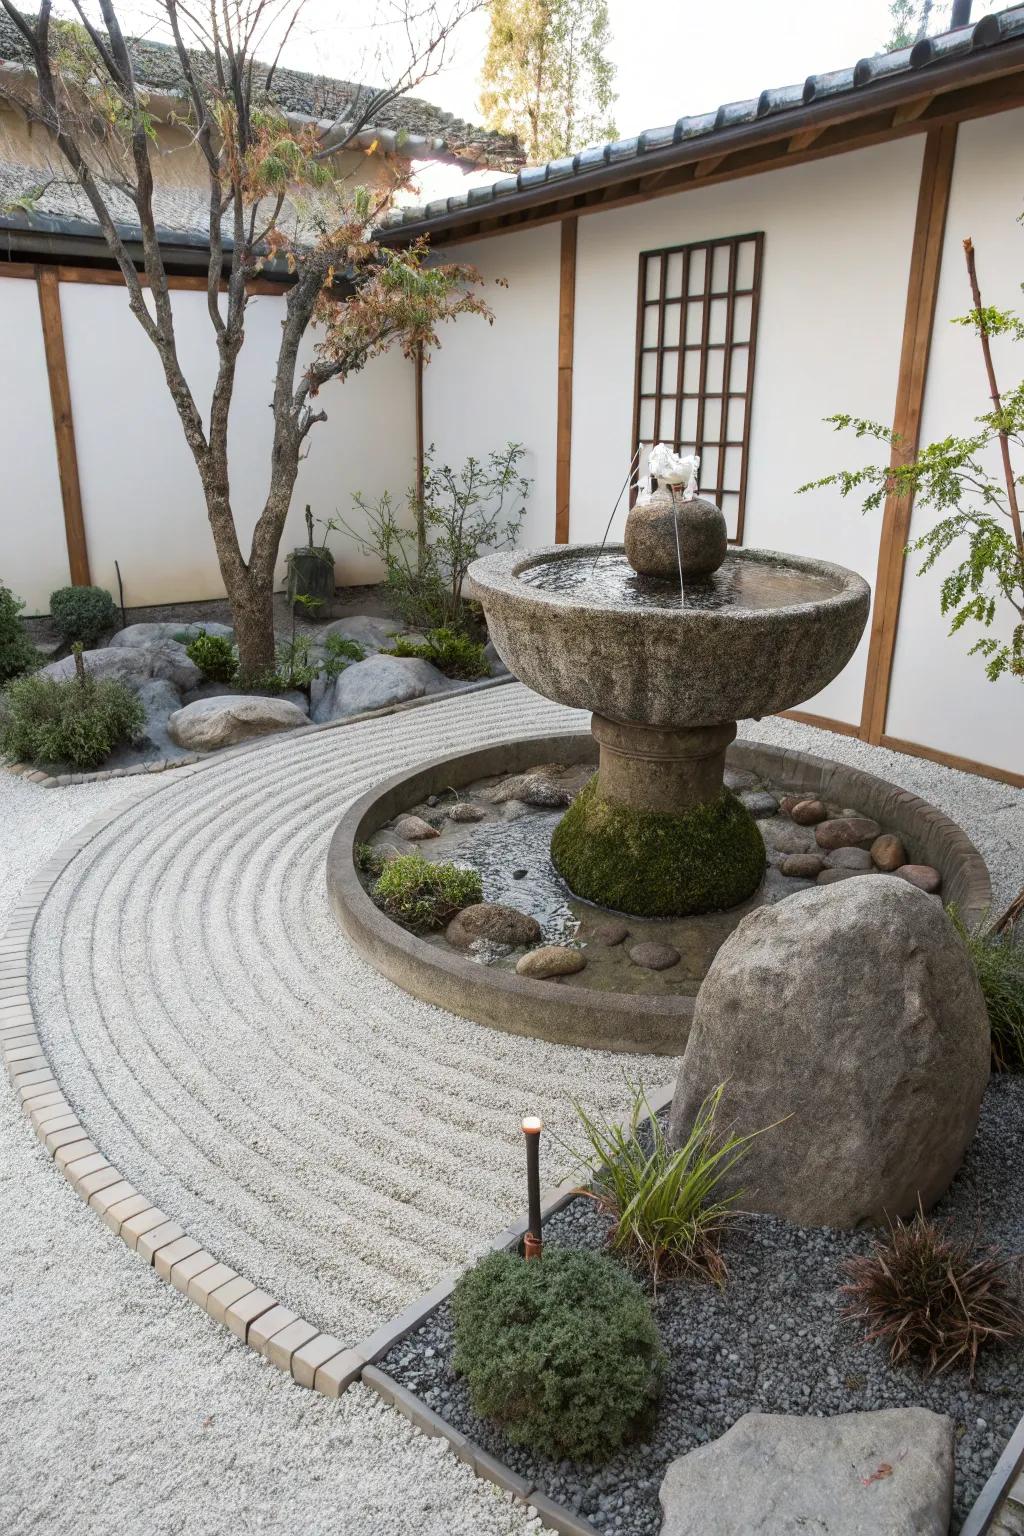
pixel 186 714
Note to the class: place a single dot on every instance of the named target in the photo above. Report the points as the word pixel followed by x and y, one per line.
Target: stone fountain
pixel 668 640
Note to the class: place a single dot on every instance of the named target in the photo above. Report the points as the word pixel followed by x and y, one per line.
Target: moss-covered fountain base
pixel 706 859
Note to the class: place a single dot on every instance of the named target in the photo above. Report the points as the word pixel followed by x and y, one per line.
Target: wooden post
pixel 566 323
pixel 922 289
pixel 421 531
pixel 63 425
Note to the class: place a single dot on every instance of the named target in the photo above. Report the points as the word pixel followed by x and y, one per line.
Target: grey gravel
pixel 772 1341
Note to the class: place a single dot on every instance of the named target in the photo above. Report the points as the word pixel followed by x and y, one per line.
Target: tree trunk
pixel 252 610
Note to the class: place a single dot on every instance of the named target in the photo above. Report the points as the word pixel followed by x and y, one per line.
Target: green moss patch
pixel 706 860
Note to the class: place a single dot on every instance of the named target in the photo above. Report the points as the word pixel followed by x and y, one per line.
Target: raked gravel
pixel 222 1043
pixel 123 1408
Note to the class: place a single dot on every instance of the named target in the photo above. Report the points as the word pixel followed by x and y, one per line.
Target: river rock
pixel 551 960
pixel 652 956
pixel 847 832
pixel 782 836
pixel 887 1473
pixel 922 875
pixel 222 721
pixel 888 852
pixel 857 859
pixel 808 813
pixel 610 934
pixel 378 683
pixel 534 788
pixel 465 810
pixel 853 1015
pixel 414 829
pixel 803 866
pixel 832 875
pixel 759 802
pixel 494 922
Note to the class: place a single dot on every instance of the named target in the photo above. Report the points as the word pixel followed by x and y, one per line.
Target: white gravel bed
pixel 123 1408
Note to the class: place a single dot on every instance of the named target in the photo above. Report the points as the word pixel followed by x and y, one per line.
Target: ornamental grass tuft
pixel 561 1352
pixel 668 1206
pixel 424 895
pixel 929 1295
pixel 998 959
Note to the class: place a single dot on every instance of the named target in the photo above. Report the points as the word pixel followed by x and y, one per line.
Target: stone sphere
pixel 650 537
pixel 852 1014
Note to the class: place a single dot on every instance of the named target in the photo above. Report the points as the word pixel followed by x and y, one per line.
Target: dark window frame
pixel 729 346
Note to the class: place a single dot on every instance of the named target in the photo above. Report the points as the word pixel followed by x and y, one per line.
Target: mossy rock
pixel 649 865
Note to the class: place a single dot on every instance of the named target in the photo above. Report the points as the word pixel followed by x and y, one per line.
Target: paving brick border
pixel 199 759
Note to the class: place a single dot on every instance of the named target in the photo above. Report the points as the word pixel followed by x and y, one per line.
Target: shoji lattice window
pixel 696 332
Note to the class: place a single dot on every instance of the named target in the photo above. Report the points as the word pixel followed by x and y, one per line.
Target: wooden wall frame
pixel 566 343
pixel 922 292
pixel 63 425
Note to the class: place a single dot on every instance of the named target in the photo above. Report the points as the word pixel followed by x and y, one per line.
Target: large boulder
pixel 888 1473
pixel 850 1020
pixel 377 683
pixel 160 699
pixel 369 630
pixel 221 722
pixel 152 634
pixel 166 660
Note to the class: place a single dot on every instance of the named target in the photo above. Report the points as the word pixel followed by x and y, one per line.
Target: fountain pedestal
pixel 668 772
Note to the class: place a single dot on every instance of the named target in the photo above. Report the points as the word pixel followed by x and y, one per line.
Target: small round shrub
pixel 424 895
pixel 561 1352
pixel 215 657
pixel 449 650
pixel 17 653
pixel 83 613
pixel 78 721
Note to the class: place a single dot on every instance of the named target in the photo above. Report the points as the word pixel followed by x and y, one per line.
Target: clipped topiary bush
pixel 17 653
pixel 449 650
pixel 425 895
pixel 215 657
pixel 705 860
pixel 561 1352
pixel 83 613
pixel 78 721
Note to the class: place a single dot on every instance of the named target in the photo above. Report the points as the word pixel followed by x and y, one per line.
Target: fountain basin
pixel 762 634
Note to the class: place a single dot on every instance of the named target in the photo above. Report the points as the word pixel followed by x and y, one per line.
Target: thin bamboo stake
pixel 993 389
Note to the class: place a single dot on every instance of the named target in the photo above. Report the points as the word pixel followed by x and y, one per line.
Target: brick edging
pixel 219 754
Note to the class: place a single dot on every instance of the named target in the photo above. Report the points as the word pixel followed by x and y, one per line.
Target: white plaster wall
pixel 141 494
pixel 838 236
pixel 33 549
pixel 487 386
pixel 939 695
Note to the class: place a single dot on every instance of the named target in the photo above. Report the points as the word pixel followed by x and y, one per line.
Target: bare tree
pixel 273 196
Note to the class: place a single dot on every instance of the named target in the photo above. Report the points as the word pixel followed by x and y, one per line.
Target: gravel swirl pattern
pixel 338 1142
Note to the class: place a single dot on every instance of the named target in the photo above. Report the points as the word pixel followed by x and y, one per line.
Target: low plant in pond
pixel 454 653
pixel 561 1352
pixel 83 613
pixel 17 653
pixel 999 961
pixel 78 720
pixel 215 656
pixel 668 1207
pixel 424 895
pixel 931 1296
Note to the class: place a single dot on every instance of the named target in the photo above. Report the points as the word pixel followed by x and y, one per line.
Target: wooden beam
pixel 910 111
pixel 950 760
pixel 922 289
pixel 709 166
pixel 803 140
pixel 820 722
pixel 63 426
pixel 566 327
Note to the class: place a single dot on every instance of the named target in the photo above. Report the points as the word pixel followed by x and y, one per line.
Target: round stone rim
pixel 612 1021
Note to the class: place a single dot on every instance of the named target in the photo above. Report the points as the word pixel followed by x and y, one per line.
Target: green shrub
pixel 999 962
pixel 83 613
pixel 452 652
pixel 561 1352
pixel 369 860
pixel 78 721
pixel 425 895
pixel 668 1206
pixel 17 653
pixel 295 665
pixel 340 653
pixel 215 657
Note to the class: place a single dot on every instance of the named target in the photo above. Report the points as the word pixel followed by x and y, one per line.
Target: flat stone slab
pixel 888 1473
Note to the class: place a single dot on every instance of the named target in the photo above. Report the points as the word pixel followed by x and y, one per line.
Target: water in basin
pixel 738 583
